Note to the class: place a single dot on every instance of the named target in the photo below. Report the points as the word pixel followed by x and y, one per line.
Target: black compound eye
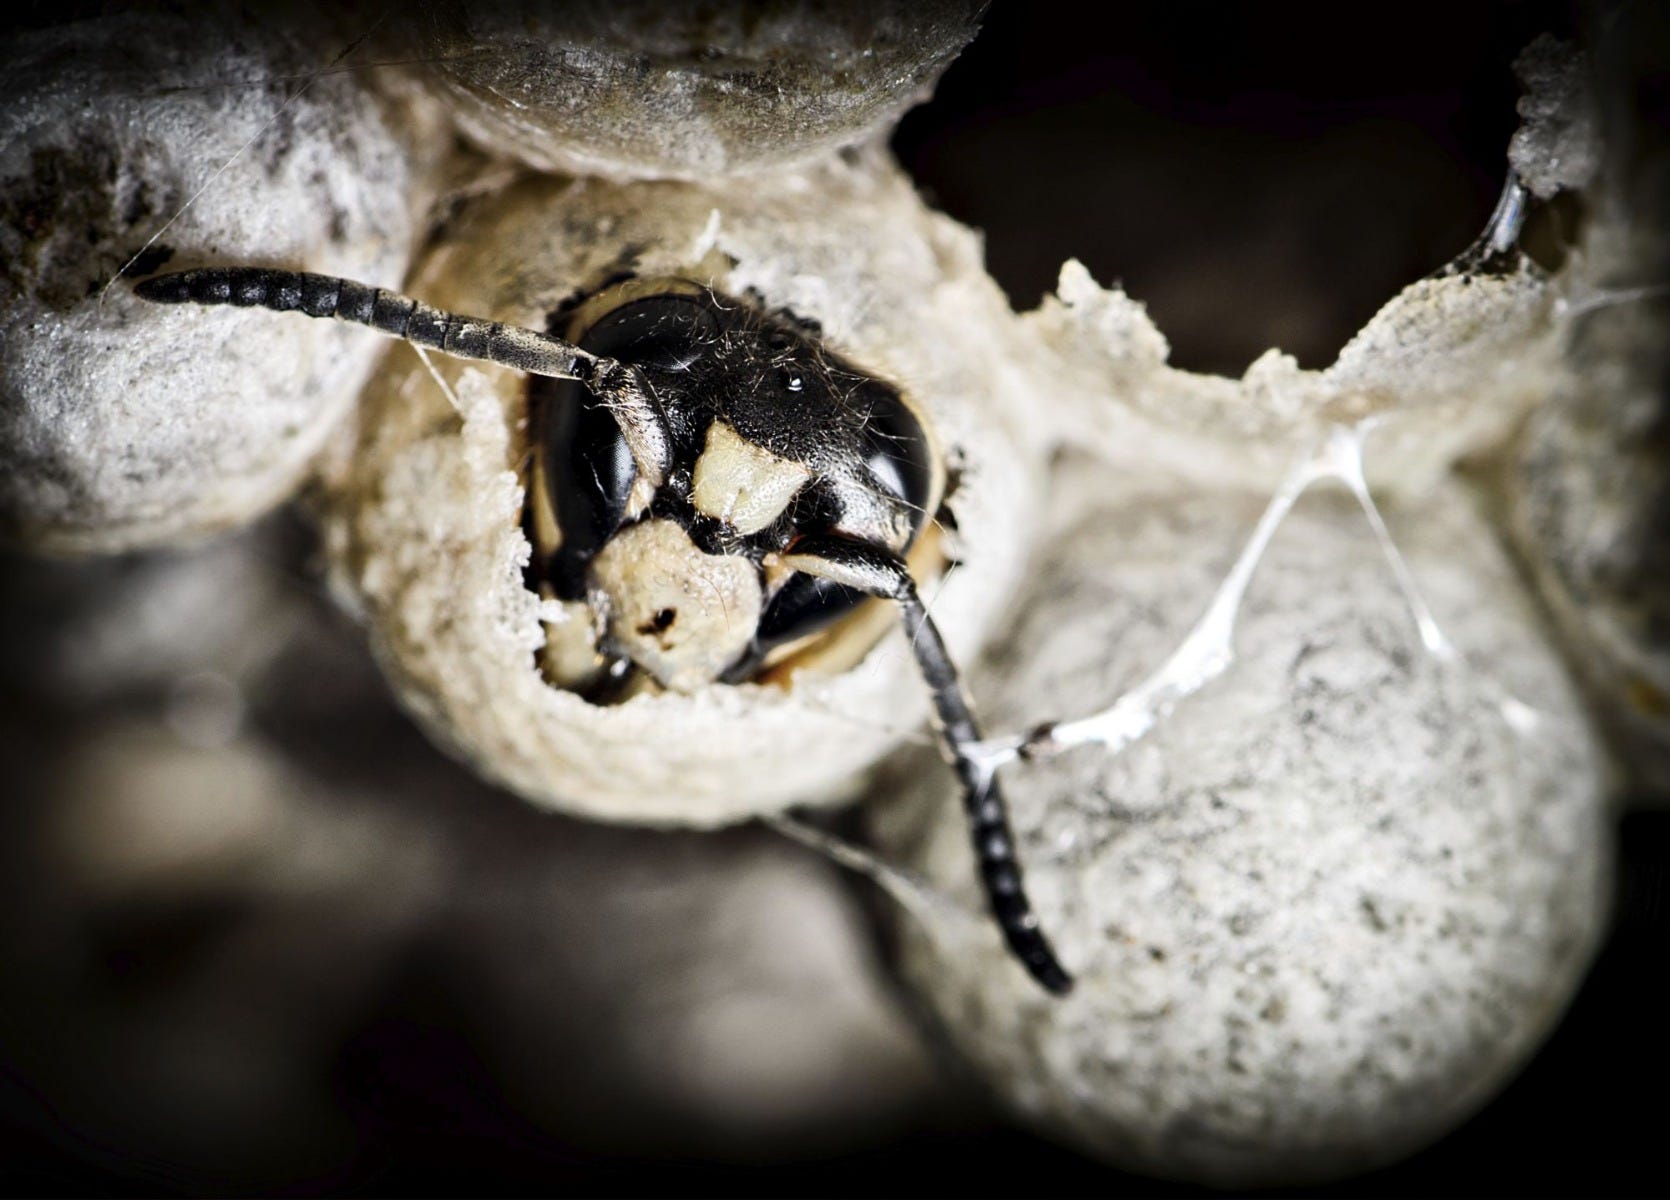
pixel 897 451
pixel 667 332
pixel 587 472
pixel 586 465
pixel 900 458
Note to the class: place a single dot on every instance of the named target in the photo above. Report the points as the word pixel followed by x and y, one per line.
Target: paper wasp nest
pixel 151 138
pixel 645 89
pixel 426 520
pixel 1322 894
pixel 1329 902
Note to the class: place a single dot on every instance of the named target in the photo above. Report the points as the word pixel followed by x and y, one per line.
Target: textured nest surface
pixel 644 89
pixel 167 138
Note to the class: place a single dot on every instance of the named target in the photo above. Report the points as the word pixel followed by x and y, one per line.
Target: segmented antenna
pixel 879 572
pixel 387 312
pixel 988 816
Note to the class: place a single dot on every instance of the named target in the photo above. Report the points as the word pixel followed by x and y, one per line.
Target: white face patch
pixel 744 485
pixel 682 615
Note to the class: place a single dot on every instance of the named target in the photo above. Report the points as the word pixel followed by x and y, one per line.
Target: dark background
pixel 1258 175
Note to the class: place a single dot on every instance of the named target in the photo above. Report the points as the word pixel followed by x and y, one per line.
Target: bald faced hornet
pixel 703 571
pixel 712 492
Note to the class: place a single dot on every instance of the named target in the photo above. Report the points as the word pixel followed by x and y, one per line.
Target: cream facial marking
pixel 742 484
pixel 682 615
